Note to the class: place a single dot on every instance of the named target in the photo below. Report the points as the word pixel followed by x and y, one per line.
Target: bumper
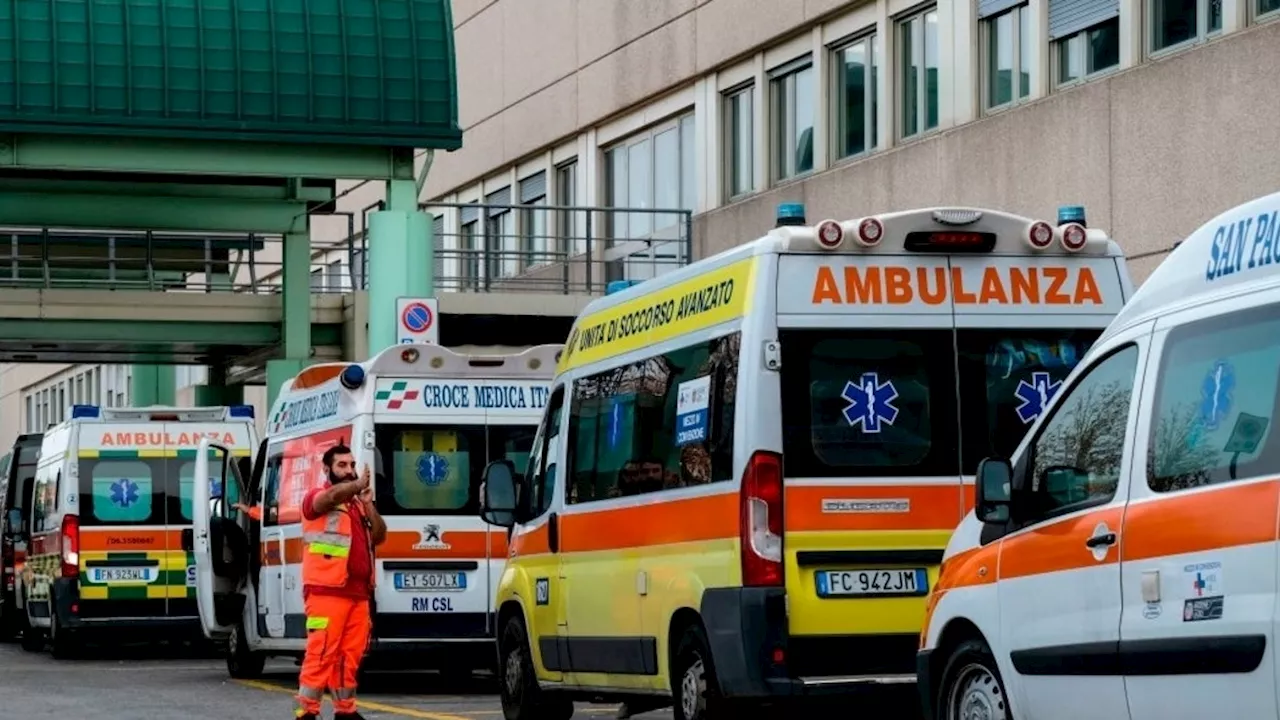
pixel 747 631
pixel 924 682
pixel 109 615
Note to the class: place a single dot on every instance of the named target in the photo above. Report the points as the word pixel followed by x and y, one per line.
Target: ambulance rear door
pixel 218 545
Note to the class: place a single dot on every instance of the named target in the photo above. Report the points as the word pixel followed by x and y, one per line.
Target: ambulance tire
pixel 32 637
pixel 63 644
pixel 972 678
pixel 522 697
pixel 243 664
pixel 695 691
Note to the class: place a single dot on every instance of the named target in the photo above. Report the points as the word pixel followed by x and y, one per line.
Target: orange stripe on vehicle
pixel 467 544
pixel 707 517
pixel 931 507
pixel 122 540
pixel 317 375
pixel 534 542
pixel 1221 517
pixel 1058 546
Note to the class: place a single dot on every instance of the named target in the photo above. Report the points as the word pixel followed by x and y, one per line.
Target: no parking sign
pixel 417 321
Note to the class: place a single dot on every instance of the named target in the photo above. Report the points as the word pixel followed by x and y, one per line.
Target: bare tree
pixel 1181 456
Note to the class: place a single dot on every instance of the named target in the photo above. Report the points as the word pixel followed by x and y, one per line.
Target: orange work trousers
pixel 337 635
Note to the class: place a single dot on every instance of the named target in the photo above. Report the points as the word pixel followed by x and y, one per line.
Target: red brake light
pixel 951 241
pixel 761 522
pixel 164 418
pixel 70 546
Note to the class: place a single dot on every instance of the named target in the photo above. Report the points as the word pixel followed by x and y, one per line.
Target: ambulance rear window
pixel 435 470
pixel 121 491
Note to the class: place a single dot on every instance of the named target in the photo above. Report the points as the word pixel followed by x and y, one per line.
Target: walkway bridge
pixel 206 139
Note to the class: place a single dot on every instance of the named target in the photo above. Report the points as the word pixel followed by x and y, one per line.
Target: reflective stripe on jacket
pixel 326 545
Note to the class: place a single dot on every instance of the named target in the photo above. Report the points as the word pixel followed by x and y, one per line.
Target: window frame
pixel 531 256
pixel 1027 461
pixel 1203 32
pixel 871 90
pixel 538 502
pixel 782 85
pixel 568 228
pixel 728 100
pixel 902 24
pixel 986 35
pixel 1081 37
pixel 1262 17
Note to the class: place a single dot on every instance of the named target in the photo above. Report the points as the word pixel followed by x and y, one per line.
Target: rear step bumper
pixel 839 685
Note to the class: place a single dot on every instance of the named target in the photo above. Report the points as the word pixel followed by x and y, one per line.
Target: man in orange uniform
pixel 340 528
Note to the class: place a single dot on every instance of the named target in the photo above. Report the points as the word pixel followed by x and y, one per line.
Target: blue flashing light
pixel 352 376
pixel 1071 213
pixel 86 411
pixel 791 214
pixel 240 411
pixel 619 285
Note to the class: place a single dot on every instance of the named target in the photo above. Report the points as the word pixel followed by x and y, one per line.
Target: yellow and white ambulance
pixel 1123 564
pixel 112 497
pixel 750 466
pixel 426 420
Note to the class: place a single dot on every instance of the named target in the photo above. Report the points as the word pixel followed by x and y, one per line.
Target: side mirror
pixel 498 494
pixel 994 490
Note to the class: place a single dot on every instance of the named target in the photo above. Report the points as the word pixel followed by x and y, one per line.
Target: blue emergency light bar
pixel 240 411
pixel 85 411
pixel 1071 213
pixel 791 214
pixel 352 376
pixel 619 285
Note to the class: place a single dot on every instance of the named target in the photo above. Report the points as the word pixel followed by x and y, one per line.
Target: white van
pixel 426 420
pixel 111 504
pixel 1092 578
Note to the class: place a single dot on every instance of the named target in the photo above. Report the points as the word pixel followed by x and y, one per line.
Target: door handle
pixel 553 532
pixel 1097 541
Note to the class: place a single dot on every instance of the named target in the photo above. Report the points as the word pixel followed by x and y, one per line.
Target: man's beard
pixel 335 478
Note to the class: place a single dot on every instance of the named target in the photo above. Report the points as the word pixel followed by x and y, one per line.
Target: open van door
pixel 219 543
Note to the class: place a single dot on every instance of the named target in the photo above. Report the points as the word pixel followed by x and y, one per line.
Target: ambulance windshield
pixel 922 402
pixel 436 469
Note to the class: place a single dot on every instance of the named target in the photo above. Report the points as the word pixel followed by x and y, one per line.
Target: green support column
pixel 153 385
pixel 401 260
pixel 216 391
pixel 296 296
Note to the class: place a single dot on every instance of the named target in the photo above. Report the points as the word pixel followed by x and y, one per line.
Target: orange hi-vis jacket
pixel 326 549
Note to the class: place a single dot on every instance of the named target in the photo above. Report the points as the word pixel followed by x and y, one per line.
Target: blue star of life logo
pixel 124 492
pixel 1035 395
pixel 870 402
pixel 433 468
pixel 1216 395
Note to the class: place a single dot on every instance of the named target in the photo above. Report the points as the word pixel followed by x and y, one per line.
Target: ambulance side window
pixel 542 466
pixel 1215 402
pixel 1076 458
pixel 271 491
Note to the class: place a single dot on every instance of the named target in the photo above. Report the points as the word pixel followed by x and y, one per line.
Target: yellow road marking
pixel 363 704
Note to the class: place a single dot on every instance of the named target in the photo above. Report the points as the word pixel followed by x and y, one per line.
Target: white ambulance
pixel 426 420
pixel 112 502
pixel 1123 565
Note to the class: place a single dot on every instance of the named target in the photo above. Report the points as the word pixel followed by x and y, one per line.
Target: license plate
pixel 122 574
pixel 844 583
pixel 416 581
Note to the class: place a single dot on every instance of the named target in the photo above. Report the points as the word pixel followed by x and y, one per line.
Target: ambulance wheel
pixel 242 663
pixel 694 688
pixel 522 697
pixel 971 686
pixel 64 644
pixel 32 637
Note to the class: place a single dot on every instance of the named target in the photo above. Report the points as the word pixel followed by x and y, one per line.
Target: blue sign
pixel 1035 395
pixel 1216 394
pixel 124 493
pixel 433 468
pixel 693 401
pixel 870 403
pixel 417 317
pixel 215 488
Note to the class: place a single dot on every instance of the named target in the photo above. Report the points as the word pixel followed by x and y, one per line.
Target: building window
pixel 317 280
pixel 333 276
pixel 359 268
pixel 1175 22
pixel 739 121
pixel 535 240
pixel 856 88
pixel 1089 51
pixel 1266 7
pixel 792 91
pixel 649 174
pixel 1008 56
pixel 919 61
pixel 31 414
pixel 437 249
pixel 469 246
pixel 569 222
pixel 502 245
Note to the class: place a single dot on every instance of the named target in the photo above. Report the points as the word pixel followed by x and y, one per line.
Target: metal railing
pixel 529 248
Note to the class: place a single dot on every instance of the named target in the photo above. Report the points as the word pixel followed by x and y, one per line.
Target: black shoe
pixel 348 716
pixel 307 716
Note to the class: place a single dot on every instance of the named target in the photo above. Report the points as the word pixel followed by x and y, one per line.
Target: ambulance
pixel 112 498
pixel 1091 579
pixel 749 467
pixel 15 494
pixel 425 420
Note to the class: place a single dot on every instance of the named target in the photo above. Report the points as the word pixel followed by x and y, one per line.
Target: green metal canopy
pixel 350 72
